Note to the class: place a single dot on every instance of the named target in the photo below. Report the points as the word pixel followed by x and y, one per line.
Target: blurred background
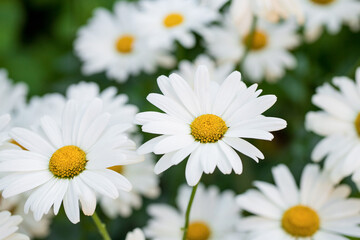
pixel 36 47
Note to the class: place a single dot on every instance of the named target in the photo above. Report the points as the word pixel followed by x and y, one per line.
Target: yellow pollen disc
pixel 118 169
pixel 259 40
pixel 208 128
pixel 173 19
pixel 67 162
pixel 198 231
pixel 17 144
pixel 301 221
pixel 323 2
pixel 125 43
pixel 357 124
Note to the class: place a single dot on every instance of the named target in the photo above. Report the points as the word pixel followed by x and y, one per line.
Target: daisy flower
pixel 12 96
pixel 144 182
pixel 115 43
pixel 218 74
pixel 67 162
pixel 339 123
pixel 214 216
pixel 269 55
pixel 9 226
pixel 4 122
pixel 318 210
pixel 329 14
pixel 137 234
pixel 207 122
pixel 167 21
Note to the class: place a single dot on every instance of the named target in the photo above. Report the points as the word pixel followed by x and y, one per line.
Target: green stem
pixel 101 227
pixel 250 40
pixel 187 215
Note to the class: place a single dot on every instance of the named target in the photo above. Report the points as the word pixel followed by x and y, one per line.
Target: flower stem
pixel 250 40
pixel 101 227
pixel 187 215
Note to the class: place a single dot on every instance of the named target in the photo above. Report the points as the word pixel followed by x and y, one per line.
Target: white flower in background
pixel 218 74
pixel 29 226
pixel 68 162
pixel 242 12
pixel 9 226
pixel 144 182
pixel 12 96
pixel 318 210
pixel 207 122
pixel 329 14
pixel 4 123
pixel 137 234
pixel 115 43
pixel 269 55
pixel 213 4
pixel 167 21
pixel 214 216
pixel 339 123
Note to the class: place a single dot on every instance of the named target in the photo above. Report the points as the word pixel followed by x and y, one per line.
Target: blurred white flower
pixel 167 21
pixel 137 234
pixel 318 210
pixel 329 14
pixel 207 122
pixel 214 216
pixel 4 123
pixel 9 226
pixel 339 123
pixel 117 44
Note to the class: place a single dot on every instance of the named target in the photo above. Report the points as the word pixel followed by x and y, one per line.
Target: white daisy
pixel 9 226
pixel 206 122
pixel 144 182
pixel 214 216
pixel 218 74
pixel 339 123
pixel 137 234
pixel 115 43
pixel 4 123
pixel 12 96
pixel 168 20
pixel 329 14
pixel 269 55
pixel 68 162
pixel 317 211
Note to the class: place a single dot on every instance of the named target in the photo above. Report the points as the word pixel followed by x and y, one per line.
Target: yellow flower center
pixel 67 162
pixel 208 128
pixel 125 44
pixel 322 2
pixel 118 169
pixel 357 124
pixel 173 19
pixel 198 231
pixel 301 221
pixel 259 40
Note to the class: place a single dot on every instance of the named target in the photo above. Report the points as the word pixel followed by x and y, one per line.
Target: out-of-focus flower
pixel 68 162
pixel 167 21
pixel 269 54
pixel 137 234
pixel 339 123
pixel 318 210
pixel 329 14
pixel 4 122
pixel 117 44
pixel 214 216
pixel 207 122
pixel 9 226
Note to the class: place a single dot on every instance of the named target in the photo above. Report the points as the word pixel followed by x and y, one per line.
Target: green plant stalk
pixel 101 227
pixel 188 209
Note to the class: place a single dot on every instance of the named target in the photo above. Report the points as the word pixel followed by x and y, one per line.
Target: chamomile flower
pixel 217 73
pixel 115 43
pixel 207 122
pixel 339 123
pixel 9 226
pixel 137 234
pixel 144 182
pixel 318 210
pixel 214 216
pixel 167 21
pixel 269 54
pixel 329 14
pixel 68 162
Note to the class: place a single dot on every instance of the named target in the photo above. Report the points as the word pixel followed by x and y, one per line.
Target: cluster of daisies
pixel 142 36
